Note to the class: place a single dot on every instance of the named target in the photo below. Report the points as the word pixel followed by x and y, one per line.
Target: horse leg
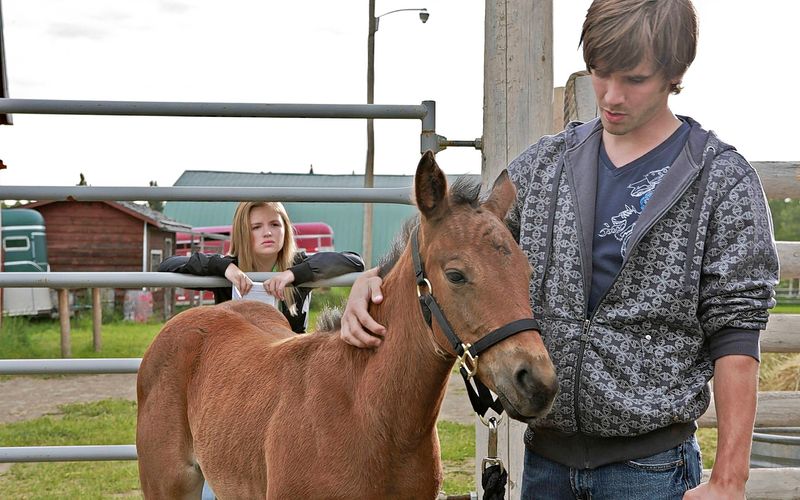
pixel 167 467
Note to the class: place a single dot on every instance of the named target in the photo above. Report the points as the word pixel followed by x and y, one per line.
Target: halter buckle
pixel 425 283
pixel 469 363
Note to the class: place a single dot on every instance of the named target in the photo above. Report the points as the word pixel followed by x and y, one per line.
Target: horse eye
pixel 456 277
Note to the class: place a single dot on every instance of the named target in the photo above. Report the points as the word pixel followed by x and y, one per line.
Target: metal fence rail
pixel 214 109
pixel 67 453
pixel 205 193
pixel 426 112
pixel 69 366
pixel 141 279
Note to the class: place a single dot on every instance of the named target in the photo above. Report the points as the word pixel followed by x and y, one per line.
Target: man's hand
pixel 712 491
pixel 358 327
pixel 239 279
pixel 275 285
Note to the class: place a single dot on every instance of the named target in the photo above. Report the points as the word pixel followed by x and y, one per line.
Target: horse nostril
pixel 524 379
pixel 531 381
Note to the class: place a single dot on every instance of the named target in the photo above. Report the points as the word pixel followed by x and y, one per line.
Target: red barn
pixel 108 236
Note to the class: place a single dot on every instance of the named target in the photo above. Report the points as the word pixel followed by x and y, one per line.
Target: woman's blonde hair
pixel 242 243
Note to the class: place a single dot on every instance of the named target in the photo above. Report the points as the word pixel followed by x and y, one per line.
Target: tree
pixel 786 219
pixel 158 206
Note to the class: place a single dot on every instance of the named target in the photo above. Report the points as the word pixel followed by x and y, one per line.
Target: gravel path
pixel 25 398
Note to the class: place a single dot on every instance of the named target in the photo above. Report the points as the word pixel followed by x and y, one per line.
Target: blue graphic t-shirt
pixel 622 195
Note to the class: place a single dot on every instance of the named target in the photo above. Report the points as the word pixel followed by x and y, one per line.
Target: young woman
pixel 262 241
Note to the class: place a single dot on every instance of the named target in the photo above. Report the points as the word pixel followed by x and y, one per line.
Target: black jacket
pixel 320 266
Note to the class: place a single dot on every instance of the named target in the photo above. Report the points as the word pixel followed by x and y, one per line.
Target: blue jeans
pixel 208 493
pixel 664 476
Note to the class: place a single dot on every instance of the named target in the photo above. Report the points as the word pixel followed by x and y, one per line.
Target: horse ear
pixel 430 187
pixel 502 196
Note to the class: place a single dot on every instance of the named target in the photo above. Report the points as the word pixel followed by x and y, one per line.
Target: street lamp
pixel 370 164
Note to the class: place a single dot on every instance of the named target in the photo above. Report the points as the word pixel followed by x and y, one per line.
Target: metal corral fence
pixel 428 141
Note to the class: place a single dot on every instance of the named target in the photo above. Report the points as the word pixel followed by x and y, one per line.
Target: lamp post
pixel 369 177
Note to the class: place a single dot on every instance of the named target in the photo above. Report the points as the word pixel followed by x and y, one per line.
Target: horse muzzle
pixel 529 391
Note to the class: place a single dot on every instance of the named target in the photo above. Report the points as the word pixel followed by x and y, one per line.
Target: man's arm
pixel 735 397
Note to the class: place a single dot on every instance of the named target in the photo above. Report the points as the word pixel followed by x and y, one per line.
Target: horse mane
pixel 464 191
pixel 329 319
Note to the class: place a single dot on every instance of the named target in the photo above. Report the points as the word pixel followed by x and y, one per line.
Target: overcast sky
pixel 742 84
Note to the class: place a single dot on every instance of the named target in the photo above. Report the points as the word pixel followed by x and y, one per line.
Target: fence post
pixel 97 320
pixel 63 316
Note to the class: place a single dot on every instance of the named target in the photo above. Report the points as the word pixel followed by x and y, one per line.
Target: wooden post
pixel 97 320
pixel 517 80
pixel 518 109
pixel 63 316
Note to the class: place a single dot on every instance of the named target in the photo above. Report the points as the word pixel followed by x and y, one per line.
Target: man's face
pixel 630 100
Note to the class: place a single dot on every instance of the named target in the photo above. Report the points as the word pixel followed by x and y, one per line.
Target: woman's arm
pixel 320 266
pixel 325 265
pixel 198 264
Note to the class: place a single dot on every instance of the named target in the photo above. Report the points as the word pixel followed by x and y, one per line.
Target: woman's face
pixel 266 231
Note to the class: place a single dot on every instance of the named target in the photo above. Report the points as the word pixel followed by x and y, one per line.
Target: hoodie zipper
pixel 584 338
pixel 587 322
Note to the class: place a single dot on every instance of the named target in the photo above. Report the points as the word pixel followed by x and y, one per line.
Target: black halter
pixel 467 354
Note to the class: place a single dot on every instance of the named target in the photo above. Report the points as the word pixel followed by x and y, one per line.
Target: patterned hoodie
pixel 695 284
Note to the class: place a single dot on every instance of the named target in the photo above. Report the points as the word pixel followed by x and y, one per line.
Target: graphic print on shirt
pixel 622 224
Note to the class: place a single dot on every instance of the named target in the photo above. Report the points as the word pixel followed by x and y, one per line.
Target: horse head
pixel 480 279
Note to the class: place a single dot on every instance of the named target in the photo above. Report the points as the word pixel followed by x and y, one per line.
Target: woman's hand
pixel 275 285
pixel 359 329
pixel 239 279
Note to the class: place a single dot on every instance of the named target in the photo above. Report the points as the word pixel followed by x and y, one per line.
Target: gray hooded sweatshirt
pixel 695 284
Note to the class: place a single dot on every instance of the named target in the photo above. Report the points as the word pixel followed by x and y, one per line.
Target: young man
pixel 653 269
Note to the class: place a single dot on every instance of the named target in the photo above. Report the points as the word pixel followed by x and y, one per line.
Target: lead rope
pixel 494 476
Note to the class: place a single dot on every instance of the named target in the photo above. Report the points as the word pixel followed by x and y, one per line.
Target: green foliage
pixel 156 205
pixel 786 219
pixel 707 438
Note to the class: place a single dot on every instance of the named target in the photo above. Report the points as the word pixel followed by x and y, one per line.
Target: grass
pixel 36 339
pixel 458 456
pixel 786 308
pixel 102 422
pixel 114 422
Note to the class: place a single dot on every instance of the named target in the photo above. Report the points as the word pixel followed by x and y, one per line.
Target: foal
pixel 230 393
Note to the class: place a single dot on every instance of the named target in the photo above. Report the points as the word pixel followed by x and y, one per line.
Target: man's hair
pixel 617 35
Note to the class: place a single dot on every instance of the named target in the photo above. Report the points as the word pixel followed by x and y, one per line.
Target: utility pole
pixel 369 170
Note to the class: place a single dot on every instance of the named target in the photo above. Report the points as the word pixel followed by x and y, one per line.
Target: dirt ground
pixel 25 398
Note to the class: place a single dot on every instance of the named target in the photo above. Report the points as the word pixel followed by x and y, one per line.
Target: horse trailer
pixel 24 243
